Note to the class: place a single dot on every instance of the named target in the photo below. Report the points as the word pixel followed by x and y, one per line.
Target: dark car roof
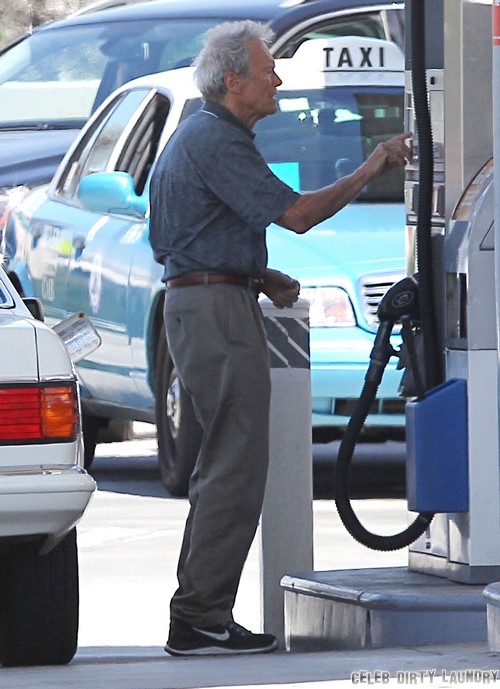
pixel 280 12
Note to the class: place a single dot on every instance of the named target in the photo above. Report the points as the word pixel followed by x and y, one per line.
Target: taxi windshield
pixel 318 136
pixel 57 77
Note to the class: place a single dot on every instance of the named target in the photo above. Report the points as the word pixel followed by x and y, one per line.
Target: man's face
pixel 258 89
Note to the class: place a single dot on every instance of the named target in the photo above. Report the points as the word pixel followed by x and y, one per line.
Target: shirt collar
pixel 223 113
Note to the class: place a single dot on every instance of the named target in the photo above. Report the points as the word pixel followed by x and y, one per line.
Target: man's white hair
pixel 226 50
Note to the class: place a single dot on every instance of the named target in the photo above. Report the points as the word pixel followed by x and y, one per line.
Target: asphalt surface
pixel 128 546
pixel 134 667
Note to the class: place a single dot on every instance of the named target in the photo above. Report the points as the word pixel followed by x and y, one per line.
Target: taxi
pixel 81 243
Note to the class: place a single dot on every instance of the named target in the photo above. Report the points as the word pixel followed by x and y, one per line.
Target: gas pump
pixel 463 546
pixel 453 420
pixel 453 426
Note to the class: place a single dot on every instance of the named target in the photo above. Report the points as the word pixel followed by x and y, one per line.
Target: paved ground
pixel 128 544
pixel 148 668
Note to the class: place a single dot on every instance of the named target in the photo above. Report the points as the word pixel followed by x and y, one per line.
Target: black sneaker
pixel 230 637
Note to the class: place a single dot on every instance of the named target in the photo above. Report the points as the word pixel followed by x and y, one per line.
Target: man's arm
pixel 313 207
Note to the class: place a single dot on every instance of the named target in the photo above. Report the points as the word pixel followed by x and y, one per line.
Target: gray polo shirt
pixel 212 197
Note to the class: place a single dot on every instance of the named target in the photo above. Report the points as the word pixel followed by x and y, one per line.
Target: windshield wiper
pixel 41 126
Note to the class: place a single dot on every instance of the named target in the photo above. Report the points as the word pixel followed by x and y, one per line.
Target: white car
pixel 44 489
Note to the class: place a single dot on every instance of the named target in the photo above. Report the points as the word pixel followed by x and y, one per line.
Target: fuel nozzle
pixel 400 301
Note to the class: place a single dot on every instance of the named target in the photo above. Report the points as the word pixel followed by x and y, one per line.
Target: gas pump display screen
pixel 321 135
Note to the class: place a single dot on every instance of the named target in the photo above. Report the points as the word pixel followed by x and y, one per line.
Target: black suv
pixel 52 79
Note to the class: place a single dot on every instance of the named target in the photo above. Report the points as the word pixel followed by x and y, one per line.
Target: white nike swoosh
pixel 217 636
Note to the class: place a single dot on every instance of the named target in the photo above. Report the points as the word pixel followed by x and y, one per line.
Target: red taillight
pixel 31 413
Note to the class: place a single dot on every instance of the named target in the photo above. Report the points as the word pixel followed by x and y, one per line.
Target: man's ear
pixel 232 82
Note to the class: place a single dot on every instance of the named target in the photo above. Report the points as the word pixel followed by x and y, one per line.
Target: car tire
pixel 91 426
pixel 40 604
pixel 177 429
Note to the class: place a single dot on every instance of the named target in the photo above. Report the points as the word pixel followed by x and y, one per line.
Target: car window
pixel 97 146
pixel 5 298
pixel 60 76
pixel 372 24
pixel 318 136
pixel 139 151
pixel 125 137
pixel 396 26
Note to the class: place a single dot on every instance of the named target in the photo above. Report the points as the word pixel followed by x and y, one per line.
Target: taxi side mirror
pixel 111 192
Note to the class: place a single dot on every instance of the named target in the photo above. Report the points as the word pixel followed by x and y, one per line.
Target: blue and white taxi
pixel 81 243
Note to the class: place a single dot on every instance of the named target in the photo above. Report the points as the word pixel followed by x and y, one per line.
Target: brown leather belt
pixel 206 278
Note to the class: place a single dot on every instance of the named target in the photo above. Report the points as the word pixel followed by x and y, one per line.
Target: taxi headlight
pixel 330 307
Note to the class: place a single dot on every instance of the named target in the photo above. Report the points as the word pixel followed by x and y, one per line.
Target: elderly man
pixel 212 197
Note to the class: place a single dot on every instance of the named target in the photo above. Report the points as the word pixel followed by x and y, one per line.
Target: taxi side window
pixel 97 146
pixel 140 150
pixel 124 138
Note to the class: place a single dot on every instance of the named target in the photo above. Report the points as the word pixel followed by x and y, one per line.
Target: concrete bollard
pixel 286 530
pixel 492 596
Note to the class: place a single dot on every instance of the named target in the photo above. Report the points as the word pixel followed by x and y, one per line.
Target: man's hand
pixel 394 152
pixel 281 289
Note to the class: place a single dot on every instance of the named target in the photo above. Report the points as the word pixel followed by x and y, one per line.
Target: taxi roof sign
pixel 350 54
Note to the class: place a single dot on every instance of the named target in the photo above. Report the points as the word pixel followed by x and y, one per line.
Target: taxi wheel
pixel 40 601
pixel 177 429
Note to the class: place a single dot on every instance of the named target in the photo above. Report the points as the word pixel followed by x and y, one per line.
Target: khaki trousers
pixel 217 340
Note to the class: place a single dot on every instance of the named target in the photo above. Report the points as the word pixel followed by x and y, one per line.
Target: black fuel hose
pixel 380 355
pixel 433 364
pixel 382 350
